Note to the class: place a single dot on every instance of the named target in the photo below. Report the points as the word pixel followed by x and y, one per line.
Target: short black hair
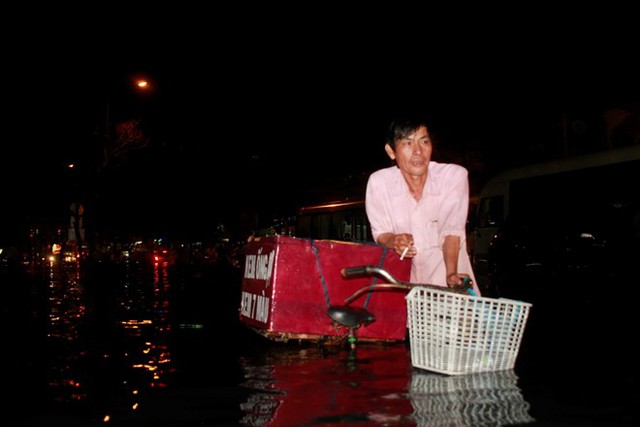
pixel 403 126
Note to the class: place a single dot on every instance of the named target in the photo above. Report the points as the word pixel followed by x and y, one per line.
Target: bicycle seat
pixel 350 316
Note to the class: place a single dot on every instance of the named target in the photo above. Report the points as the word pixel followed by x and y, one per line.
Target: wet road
pixel 141 343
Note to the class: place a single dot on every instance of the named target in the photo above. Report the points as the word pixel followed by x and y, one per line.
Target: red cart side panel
pixel 288 284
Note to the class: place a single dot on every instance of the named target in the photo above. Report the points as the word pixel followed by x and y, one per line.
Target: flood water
pixel 157 343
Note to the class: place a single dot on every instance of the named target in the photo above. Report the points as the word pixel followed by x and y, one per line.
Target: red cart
pixel 290 284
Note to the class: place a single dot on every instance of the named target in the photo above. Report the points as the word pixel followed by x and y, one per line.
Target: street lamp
pixel 141 84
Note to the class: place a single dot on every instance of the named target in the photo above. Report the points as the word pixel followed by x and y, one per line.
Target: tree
pixel 129 138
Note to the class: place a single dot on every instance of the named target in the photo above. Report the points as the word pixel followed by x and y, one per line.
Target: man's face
pixel 413 153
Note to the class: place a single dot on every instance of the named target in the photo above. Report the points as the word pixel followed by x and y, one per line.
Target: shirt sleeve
pixel 375 207
pixel 455 203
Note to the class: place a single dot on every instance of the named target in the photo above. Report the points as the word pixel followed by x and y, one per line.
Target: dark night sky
pixel 248 109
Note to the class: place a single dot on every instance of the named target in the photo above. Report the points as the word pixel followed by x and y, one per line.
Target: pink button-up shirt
pixel 441 211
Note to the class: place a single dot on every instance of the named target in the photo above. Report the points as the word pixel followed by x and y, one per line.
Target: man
pixel 418 207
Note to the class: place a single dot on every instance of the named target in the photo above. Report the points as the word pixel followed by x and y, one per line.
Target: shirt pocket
pixel 432 225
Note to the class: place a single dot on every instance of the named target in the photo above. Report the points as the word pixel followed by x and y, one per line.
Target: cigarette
pixel 404 252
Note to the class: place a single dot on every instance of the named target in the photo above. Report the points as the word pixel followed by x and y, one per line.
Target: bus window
pixel 490 212
pixel 336 221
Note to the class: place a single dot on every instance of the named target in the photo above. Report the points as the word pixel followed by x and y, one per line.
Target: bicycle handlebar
pixel 369 270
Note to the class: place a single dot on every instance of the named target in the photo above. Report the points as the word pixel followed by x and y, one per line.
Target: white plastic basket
pixel 455 334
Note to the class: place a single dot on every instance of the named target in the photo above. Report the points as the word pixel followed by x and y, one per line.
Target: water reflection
pixel 377 385
pixel 479 399
pixel 108 334
pixel 301 386
pixel 67 321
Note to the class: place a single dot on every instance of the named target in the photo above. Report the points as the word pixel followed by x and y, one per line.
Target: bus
pixel 336 220
pixel 559 213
